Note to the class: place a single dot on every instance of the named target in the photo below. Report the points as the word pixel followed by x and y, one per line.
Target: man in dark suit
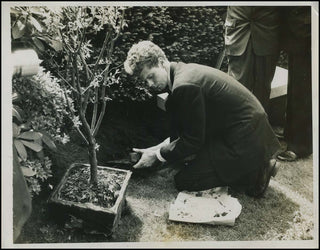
pixel 213 118
pixel 252 47
pixel 296 41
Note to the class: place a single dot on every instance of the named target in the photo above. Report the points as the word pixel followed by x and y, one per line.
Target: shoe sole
pixel 273 172
pixel 285 159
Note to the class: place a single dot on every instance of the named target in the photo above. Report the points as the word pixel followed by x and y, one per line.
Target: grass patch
pixel 285 213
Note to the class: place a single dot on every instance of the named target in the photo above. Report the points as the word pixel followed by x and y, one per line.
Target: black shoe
pixel 263 180
pixel 287 156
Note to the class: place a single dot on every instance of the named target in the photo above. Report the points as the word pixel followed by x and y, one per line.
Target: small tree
pixel 88 76
pixel 63 36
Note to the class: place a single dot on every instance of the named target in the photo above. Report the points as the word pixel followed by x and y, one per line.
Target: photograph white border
pixel 6 132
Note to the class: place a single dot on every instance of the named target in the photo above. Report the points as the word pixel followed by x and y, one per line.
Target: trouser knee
pixel 194 182
pixel 180 182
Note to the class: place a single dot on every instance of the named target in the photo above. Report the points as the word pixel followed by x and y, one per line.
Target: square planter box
pixel 103 219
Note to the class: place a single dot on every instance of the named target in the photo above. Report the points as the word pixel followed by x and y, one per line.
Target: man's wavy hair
pixel 144 53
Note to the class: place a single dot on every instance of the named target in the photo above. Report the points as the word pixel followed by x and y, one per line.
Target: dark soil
pixel 77 186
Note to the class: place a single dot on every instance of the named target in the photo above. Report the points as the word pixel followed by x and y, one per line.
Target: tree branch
pixel 85 124
pixel 82 40
pixel 79 104
pixel 64 41
pixel 121 23
pixel 72 113
pixel 102 111
pixel 105 42
pixel 75 66
pixel 84 121
pixel 87 69
pixel 67 82
pixel 104 101
pixel 106 72
pixel 116 67
pixel 95 108
pixel 86 100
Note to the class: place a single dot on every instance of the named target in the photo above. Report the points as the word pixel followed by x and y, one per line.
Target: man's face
pixel 156 78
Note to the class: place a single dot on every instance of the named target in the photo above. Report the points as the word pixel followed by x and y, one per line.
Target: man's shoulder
pixel 190 69
pixel 188 74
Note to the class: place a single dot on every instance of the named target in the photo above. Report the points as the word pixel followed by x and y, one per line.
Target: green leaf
pixel 48 141
pixel 21 24
pixel 38 43
pixel 15 96
pixel 26 126
pixel 34 146
pixel 56 45
pixel 30 135
pixel 18 30
pixel 16 114
pixel 35 23
pixel 44 39
pixel 27 171
pixel 19 110
pixel 37 11
pixel 14 11
pixel 38 141
pixel 20 149
pixel 40 155
pixel 15 130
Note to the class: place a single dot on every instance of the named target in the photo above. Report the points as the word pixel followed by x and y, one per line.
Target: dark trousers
pixel 199 174
pixel 254 72
pixel 298 127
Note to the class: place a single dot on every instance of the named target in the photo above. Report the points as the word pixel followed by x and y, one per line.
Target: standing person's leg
pixel 241 67
pixel 264 70
pixel 298 128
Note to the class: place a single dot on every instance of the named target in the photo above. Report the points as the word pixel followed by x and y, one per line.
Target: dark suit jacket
pixel 261 24
pixel 212 111
pixel 296 29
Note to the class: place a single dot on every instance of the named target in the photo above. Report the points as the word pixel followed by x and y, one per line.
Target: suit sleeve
pixel 188 108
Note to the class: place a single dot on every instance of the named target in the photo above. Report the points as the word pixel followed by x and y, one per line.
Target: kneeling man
pixel 215 120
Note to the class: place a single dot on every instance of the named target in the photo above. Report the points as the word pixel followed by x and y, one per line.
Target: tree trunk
pixel 93 163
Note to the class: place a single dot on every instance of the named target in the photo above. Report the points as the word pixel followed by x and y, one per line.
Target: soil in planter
pixel 77 187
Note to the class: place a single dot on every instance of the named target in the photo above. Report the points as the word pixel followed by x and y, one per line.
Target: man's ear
pixel 161 61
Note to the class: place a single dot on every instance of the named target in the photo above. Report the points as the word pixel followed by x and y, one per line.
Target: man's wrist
pixel 159 156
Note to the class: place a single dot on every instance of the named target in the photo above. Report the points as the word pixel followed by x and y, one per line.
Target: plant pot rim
pixel 114 209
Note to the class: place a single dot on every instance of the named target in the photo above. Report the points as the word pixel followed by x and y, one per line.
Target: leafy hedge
pixel 44 104
pixel 42 107
pixel 187 34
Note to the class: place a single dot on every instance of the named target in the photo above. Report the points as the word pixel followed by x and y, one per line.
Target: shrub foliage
pixel 40 114
pixel 44 104
pixel 187 34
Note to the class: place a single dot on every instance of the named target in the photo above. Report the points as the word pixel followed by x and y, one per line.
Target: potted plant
pixel 95 194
